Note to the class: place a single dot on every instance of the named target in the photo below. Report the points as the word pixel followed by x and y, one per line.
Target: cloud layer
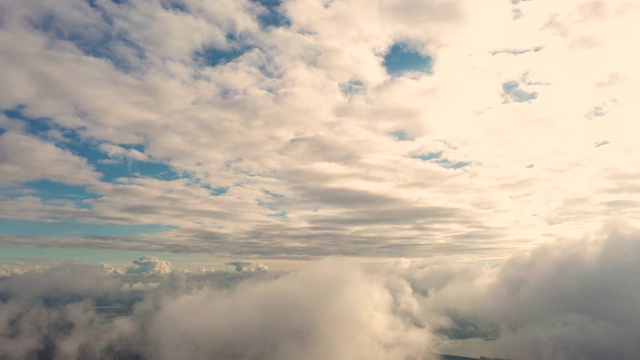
pixel 573 299
pixel 279 129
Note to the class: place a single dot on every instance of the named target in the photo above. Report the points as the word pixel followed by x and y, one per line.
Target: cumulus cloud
pixel 570 299
pixel 149 265
pixel 241 266
pixel 328 310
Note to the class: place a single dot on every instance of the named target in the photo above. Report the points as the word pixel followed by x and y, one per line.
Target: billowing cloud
pixel 567 299
pixel 149 265
pixel 327 310
pixel 241 266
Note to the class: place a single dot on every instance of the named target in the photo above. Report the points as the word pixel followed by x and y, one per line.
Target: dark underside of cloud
pixel 564 300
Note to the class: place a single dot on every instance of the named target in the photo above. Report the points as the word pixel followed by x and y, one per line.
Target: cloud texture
pixel 280 129
pixel 573 299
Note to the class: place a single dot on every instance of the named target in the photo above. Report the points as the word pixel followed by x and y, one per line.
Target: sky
pixel 450 148
pixel 302 129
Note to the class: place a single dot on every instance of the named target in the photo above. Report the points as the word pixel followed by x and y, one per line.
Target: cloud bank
pixel 328 310
pixel 572 299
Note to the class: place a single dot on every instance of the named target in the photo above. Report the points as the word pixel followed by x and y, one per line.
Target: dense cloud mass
pixel 573 299
pixel 328 311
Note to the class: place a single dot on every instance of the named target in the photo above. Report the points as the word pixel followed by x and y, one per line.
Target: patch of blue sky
pixel 15 113
pixel 215 191
pixel 77 229
pixel 43 127
pixel 353 86
pixel 401 135
pixel 601 143
pixel 428 156
pixel 114 168
pixel 273 194
pixel 110 168
pixel 445 163
pixel 50 191
pixel 103 12
pixel 273 201
pixel 272 71
pixel 133 168
pixel 101 40
pixel 280 215
pixel 33 126
pixel 511 92
pixel 212 56
pixel 402 58
pixel 178 6
pixel 272 14
pixel 26 252
pixel 115 257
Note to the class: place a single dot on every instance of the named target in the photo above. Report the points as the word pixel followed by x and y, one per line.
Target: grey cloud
pixel 350 198
pixel 395 215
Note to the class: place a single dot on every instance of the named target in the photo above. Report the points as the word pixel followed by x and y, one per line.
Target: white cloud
pixel 241 266
pixel 568 299
pixel 328 310
pixel 24 158
pixel 275 121
pixel 325 311
pixel 149 265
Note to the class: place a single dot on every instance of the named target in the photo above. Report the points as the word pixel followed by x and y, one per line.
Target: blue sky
pixel 301 129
